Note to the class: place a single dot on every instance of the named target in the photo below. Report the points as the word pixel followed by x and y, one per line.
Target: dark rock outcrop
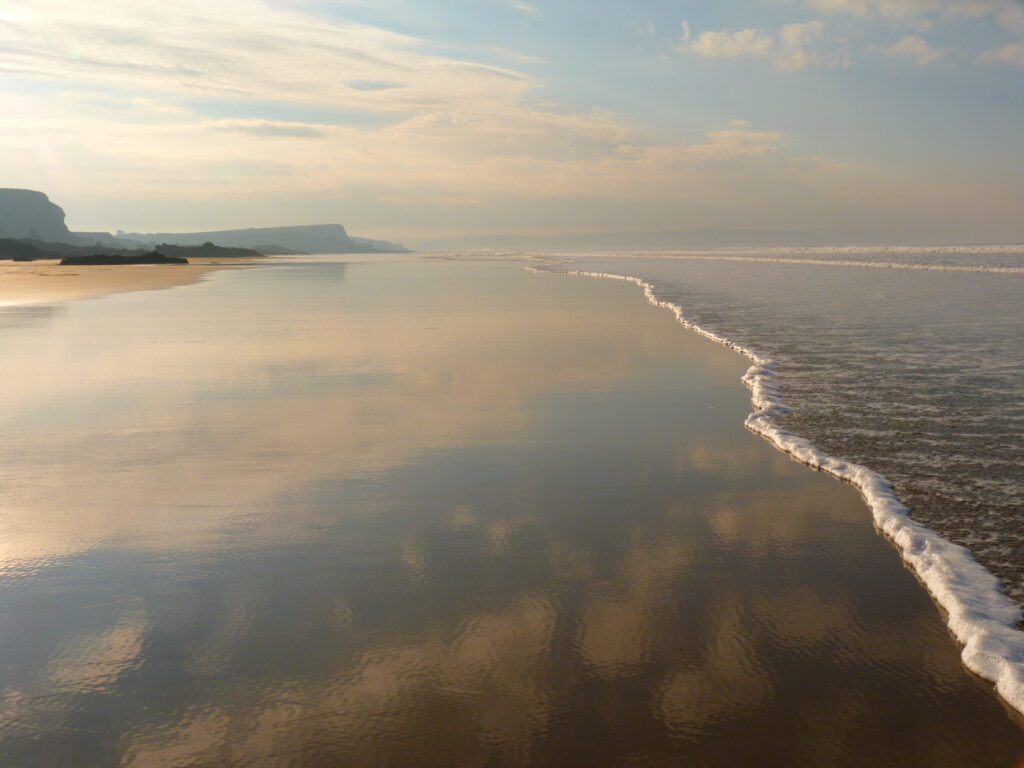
pixel 107 258
pixel 207 251
pixel 32 250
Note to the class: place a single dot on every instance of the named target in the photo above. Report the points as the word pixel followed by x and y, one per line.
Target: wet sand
pixel 427 513
pixel 29 282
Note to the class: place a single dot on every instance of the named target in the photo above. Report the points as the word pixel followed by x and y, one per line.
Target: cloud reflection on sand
pixel 301 570
pixel 198 426
pixel 480 684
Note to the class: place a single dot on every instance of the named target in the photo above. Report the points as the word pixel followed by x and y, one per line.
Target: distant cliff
pixel 25 213
pixel 29 215
pixel 365 244
pixel 314 238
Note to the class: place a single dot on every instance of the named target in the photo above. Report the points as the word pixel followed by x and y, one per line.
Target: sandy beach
pixel 429 513
pixel 33 282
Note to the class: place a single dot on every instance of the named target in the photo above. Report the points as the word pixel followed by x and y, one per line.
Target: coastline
pixel 183 464
pixel 46 281
pixel 982 619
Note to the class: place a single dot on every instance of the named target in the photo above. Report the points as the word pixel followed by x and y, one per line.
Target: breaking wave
pixel 885 257
pixel 981 617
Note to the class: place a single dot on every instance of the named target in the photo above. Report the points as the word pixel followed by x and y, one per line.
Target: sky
pixel 416 118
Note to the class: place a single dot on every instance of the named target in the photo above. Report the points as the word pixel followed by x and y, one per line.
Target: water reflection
pixel 25 316
pixel 439 514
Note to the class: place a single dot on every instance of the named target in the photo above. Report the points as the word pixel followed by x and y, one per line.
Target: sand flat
pixel 30 282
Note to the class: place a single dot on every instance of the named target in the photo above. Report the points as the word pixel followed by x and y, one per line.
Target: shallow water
pixel 915 373
pixel 437 513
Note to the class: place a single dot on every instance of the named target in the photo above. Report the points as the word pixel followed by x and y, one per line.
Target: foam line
pixel 980 616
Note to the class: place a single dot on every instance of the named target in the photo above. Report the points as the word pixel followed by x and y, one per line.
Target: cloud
pixel 915 48
pixel 245 49
pixel 1012 17
pixel 373 85
pixel 792 48
pixel 442 110
pixel 113 108
pixel 1009 14
pixel 417 165
pixel 907 9
pixel 729 45
pixel 1012 54
pixel 270 128
pixel 735 140
pixel 529 10
pixel 921 15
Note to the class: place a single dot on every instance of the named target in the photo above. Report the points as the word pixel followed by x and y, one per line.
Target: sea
pixel 433 510
pixel 900 370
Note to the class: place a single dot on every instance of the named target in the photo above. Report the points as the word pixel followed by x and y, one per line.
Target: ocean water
pixel 414 512
pixel 908 362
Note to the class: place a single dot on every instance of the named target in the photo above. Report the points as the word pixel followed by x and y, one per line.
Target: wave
pixel 922 250
pixel 765 255
pixel 981 617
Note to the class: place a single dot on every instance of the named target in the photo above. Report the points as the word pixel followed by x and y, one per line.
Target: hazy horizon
pixel 884 119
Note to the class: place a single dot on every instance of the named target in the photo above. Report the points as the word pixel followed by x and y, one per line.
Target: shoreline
pixel 982 619
pixel 46 281
pixel 182 465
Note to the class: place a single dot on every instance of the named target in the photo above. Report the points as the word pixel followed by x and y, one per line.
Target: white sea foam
pixel 979 614
pixel 914 250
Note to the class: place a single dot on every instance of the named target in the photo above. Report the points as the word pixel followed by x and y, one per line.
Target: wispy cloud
pixel 166 104
pixel 243 49
pixel 527 8
pixel 457 124
pixel 270 128
pixel 906 9
pixel 373 85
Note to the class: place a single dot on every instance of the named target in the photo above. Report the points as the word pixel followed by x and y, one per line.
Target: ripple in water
pixel 914 372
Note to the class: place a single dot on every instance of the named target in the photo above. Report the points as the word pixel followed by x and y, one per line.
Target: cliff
pixel 313 238
pixel 366 244
pixel 25 213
